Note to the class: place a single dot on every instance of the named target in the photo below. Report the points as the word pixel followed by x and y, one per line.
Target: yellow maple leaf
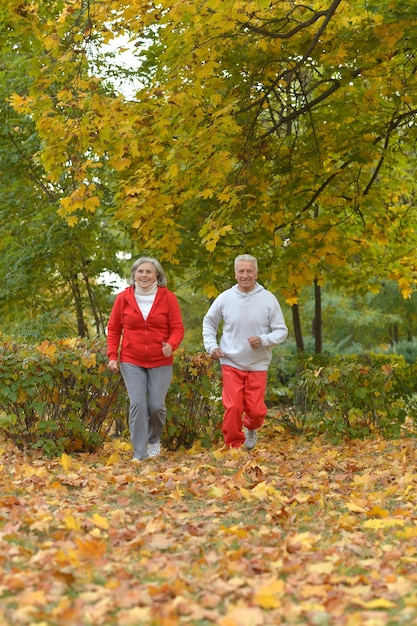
pixel 177 494
pixel 207 193
pixel 245 493
pixel 91 547
pixel 20 103
pixel 51 42
pixel 324 567
pixel 173 171
pixel 66 461
pixel 379 603
pixel 100 521
pixel 135 616
pixel 91 204
pixel 47 348
pixel 355 508
pixel 379 524
pixel 269 596
pixel 377 511
pixel 88 360
pixel 113 459
pixel 220 452
pixel 71 523
pixel 409 532
pixel 119 444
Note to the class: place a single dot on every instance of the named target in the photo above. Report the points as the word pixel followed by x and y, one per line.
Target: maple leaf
pixel 269 595
pixel 100 521
pixel 66 461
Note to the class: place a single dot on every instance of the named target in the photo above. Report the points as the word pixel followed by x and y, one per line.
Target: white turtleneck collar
pixel 150 291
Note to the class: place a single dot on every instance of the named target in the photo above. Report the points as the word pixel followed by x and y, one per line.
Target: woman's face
pixel 145 275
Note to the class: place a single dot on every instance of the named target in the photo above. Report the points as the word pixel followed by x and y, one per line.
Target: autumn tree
pixel 278 128
pixel 50 266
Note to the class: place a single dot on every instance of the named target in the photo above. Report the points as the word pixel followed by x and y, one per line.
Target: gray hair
pixel 160 274
pixel 246 258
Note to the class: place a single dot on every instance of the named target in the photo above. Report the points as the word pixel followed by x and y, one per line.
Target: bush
pixel 194 410
pixel 58 396
pixel 408 349
pixel 352 396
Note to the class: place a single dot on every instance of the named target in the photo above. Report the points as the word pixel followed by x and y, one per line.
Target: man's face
pixel 246 275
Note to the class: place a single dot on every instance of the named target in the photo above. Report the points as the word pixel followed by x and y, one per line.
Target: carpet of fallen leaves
pixel 294 532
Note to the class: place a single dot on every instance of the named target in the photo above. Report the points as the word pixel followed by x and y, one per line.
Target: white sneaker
pixel 154 449
pixel 251 438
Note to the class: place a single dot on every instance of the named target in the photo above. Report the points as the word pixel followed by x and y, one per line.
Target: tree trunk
pixel 317 321
pixel 82 328
pixel 298 334
pixel 98 317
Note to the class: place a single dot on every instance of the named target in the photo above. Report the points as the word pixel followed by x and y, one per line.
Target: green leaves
pixel 282 129
pixel 58 397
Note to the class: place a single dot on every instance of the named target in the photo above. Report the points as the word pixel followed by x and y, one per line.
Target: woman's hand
pixel 166 349
pixel 113 365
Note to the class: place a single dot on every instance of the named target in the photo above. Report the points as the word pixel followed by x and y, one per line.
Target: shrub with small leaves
pixel 194 410
pixel 353 395
pixel 58 396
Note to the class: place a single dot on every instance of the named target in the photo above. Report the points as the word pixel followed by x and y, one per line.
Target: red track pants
pixel 243 398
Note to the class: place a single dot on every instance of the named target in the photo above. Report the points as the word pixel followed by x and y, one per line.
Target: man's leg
pixel 232 397
pixel 254 400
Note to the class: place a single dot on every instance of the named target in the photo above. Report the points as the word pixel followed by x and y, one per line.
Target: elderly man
pixel 252 324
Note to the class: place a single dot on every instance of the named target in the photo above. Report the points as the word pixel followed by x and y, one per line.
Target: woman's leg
pixel 136 381
pixel 159 380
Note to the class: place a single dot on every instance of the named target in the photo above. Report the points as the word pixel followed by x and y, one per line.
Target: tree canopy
pixel 272 127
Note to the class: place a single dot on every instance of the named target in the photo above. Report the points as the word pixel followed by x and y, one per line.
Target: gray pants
pixel 147 389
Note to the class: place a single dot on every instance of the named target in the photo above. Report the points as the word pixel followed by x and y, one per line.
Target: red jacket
pixel 140 339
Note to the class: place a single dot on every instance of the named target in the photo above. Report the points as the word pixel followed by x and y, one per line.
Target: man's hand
pixel 216 354
pixel 255 342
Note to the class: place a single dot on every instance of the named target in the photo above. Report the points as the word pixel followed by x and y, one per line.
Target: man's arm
pixel 211 323
pixel 278 329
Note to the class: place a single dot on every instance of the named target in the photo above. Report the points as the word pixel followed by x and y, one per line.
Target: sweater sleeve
pixel 114 330
pixel 211 323
pixel 278 329
pixel 176 326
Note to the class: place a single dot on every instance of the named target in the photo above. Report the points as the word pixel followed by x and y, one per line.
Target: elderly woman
pixel 144 329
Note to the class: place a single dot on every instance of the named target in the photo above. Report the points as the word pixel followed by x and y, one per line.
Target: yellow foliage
pixel 72 523
pixel 113 459
pixel 100 521
pixel 22 104
pixel 89 360
pixel 269 596
pixel 381 524
pixel 66 462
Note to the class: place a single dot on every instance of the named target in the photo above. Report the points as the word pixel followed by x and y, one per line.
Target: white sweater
pixel 244 315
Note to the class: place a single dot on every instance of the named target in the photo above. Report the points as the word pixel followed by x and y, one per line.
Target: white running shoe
pixel 251 439
pixel 154 449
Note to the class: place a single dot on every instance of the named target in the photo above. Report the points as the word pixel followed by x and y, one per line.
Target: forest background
pixel 281 129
